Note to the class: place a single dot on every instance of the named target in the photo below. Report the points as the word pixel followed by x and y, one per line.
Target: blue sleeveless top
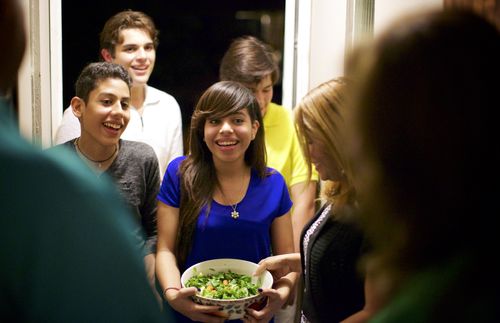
pixel 218 235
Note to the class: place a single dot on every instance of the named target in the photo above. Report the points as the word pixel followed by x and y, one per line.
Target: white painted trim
pixel 24 81
pixel 314 46
pixel 40 75
pixel 289 48
pixel 44 124
pixel 56 71
pixel 303 49
pixel 296 51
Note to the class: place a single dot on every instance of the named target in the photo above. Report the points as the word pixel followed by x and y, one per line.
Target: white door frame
pixel 40 75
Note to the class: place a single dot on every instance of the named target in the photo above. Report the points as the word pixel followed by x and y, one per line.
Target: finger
pixel 257 316
pixel 260 269
pixel 269 292
pixel 209 309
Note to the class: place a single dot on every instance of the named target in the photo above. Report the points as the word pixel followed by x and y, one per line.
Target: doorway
pixel 193 38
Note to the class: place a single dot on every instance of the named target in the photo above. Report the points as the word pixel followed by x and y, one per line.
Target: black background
pixel 193 38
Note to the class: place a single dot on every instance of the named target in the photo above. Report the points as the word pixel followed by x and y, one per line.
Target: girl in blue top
pixel 221 201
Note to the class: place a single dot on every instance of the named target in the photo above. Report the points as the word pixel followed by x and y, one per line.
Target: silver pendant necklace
pixel 235 214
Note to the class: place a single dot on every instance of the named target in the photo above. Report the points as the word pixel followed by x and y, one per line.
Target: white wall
pixel 388 10
pixel 314 45
pixel 315 32
pixel 328 31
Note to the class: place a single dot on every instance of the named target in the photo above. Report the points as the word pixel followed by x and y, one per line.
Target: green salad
pixel 223 285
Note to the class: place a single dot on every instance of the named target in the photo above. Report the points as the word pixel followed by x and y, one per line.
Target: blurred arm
pixel 303 195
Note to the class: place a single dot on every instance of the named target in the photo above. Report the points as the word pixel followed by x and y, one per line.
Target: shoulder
pixel 136 147
pixel 278 110
pixel 175 164
pixel 274 176
pixel 156 95
pixel 278 117
pixel 173 167
pixel 137 152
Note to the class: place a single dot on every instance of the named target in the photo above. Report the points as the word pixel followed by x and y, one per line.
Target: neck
pixel 137 97
pixel 94 150
pixel 231 169
pixel 232 189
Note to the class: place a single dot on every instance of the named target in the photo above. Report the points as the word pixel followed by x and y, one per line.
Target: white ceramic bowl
pixel 231 308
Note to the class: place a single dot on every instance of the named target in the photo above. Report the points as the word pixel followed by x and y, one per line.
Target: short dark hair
pixel 248 60
pixel 93 73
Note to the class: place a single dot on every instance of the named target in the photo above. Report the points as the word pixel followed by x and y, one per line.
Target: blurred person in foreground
pixel 425 151
pixel 66 255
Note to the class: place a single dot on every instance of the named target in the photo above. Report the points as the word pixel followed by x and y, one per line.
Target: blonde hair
pixel 320 116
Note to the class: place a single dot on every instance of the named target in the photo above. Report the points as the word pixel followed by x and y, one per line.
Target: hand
pixel 275 300
pixel 181 301
pixel 149 263
pixel 280 265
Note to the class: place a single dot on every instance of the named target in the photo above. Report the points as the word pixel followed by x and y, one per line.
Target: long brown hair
pixel 199 176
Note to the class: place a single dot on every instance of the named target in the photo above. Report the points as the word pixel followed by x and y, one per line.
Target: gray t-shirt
pixel 135 172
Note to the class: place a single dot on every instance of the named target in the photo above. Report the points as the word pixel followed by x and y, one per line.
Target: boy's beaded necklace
pixel 97 162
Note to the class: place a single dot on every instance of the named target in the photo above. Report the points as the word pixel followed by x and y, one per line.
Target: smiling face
pixel 106 113
pixel 263 91
pixel 136 53
pixel 228 138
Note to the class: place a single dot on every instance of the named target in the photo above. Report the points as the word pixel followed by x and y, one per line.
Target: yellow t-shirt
pixel 282 145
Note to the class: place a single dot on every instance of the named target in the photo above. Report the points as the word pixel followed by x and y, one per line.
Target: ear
pixel 106 55
pixel 255 128
pixel 77 106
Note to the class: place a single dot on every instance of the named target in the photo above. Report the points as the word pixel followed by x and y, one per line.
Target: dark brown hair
pixel 128 19
pixel 92 74
pixel 248 60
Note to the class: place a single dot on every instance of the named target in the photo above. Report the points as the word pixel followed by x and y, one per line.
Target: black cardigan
pixel 333 285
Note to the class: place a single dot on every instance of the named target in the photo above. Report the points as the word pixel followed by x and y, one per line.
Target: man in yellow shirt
pixel 250 61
